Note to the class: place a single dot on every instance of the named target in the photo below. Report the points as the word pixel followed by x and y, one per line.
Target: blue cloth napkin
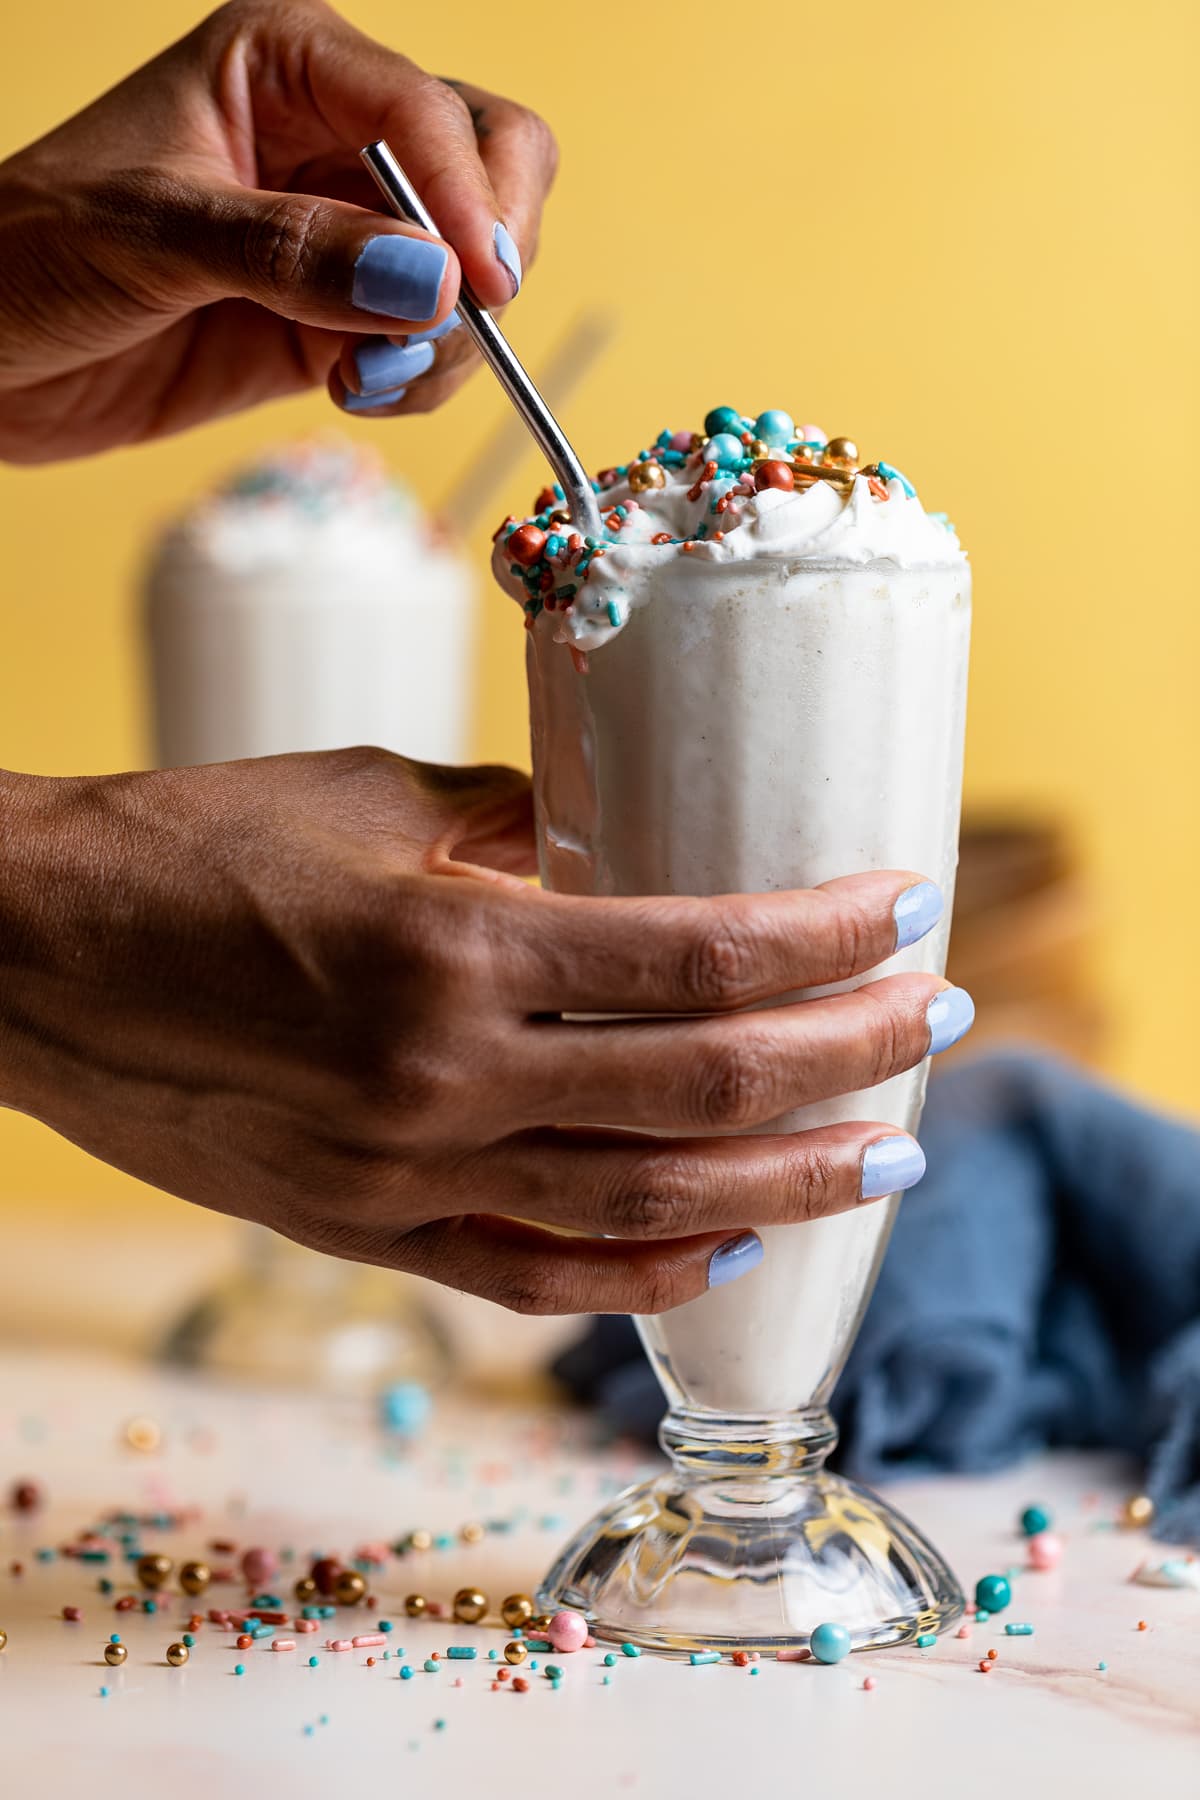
pixel 1042 1289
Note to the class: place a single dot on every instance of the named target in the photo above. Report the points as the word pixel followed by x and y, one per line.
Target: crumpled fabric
pixel 1042 1290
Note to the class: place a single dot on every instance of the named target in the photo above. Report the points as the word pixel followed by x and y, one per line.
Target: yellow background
pixel 963 233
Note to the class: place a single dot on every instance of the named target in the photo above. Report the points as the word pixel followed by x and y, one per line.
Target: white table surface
pixel 273 1469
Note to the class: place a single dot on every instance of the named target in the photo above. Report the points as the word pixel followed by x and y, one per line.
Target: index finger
pixel 573 953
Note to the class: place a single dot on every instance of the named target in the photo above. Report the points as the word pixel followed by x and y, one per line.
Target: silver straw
pixel 497 352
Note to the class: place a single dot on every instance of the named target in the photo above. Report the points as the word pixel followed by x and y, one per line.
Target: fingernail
pixel 949 1016
pixel 737 1257
pixel 400 276
pixel 917 911
pixel 890 1166
pixel 508 254
pixel 354 403
pixel 382 365
pixel 436 331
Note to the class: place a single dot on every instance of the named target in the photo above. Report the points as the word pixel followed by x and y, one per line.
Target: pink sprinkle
pixel 365 1638
pixel 283 1643
pixel 339 1644
pixel 73 1614
pixel 869 1684
pixel 963 1631
pixel 304 1625
pixel 793 1655
pixel 681 440
pixel 589 1643
pixel 458 1681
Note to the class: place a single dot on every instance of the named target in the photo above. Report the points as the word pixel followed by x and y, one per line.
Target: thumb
pixel 319 261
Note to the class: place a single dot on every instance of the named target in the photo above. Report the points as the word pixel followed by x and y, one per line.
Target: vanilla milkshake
pixel 756 680
pixel 309 604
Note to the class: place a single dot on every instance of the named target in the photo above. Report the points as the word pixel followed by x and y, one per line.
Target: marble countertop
pixel 286 1469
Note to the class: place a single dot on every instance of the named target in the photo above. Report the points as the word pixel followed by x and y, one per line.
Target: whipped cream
pixel 713 514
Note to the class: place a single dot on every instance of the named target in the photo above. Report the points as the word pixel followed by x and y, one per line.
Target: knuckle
pixel 888 1044
pixel 653 1201
pixel 657 1289
pixel 813 1186
pixel 281 246
pixel 737 1085
pixel 720 970
pixel 850 946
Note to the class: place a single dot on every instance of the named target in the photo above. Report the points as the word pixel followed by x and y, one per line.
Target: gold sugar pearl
pixel 645 475
pixel 349 1587
pixel 143 1434
pixel 177 1655
pixel 540 1622
pixel 153 1571
pixel 415 1605
pixel 516 1652
pixel 305 1590
pixel 517 1610
pixel 114 1655
pixel 471 1534
pixel 420 1540
pixel 842 452
pixel 194 1577
pixel 759 449
pixel 469 1606
pixel 3 1639
pixel 1137 1512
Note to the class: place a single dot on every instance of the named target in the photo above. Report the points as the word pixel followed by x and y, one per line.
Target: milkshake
pixel 308 604
pixel 756 680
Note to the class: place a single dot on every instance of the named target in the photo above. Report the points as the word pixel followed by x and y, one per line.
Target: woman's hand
pixel 313 991
pixel 204 237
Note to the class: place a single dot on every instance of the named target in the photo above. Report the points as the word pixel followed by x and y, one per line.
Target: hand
pixel 204 237
pixel 313 991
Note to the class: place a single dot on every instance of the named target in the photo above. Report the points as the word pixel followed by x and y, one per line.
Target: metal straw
pixel 497 352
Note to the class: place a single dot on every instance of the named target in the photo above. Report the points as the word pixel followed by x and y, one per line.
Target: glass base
pixel 748 1543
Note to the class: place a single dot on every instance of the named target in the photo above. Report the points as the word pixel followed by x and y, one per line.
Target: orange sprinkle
pixel 985 1668
pixel 1142 1625
pixel 991 1656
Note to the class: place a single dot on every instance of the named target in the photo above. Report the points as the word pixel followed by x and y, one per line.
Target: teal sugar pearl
pixel 830 1643
pixel 722 418
pixel 724 449
pixel 1035 1519
pixel 774 426
pixel 992 1593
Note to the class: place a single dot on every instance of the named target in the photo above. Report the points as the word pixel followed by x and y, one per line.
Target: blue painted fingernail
pixel 917 911
pixel 508 254
pixel 382 365
pixel 400 276
pixel 949 1016
pixel 890 1166
pixel 737 1257
pixel 355 403
pixel 436 331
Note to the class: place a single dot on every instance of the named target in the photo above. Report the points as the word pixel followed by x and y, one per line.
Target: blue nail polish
pixel 890 1166
pixel 735 1258
pixel 508 254
pixel 400 276
pixel 356 403
pixel 382 365
pixel 436 331
pixel 917 911
pixel 949 1016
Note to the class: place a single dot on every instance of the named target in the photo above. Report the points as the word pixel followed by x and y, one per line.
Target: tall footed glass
pixel 766 727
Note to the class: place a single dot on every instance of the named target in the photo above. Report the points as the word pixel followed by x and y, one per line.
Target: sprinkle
pixel 704 1656
pixel 406 1673
pixel 869 1684
pixel 927 1640
pixel 1102 1665
pixel 431 1665
pixel 1018 1630
pixel 610 1660
pixel 239 1668
pixel 313 1662
pixel 630 1650
pixel 458 1652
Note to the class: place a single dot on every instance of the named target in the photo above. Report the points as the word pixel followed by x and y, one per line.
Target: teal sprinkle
pixel 93 1556
pixel 596 488
pixel 462 1653
pixel 516 570
pixel 324 1719
pixel 891 474
pixel 533 1663
pixel 406 1673
pixel 492 1655
pixel 663 440
pixel 384 1624
pixel 553 1672
pixel 539 1644
pixel 704 1656
pixel 981 1617
pixel 622 512
pixel 114 1637
pixel 329 1612
pixel 702 528
pixel 1102 1665
pixel 593 543
pixel 386 1655
pixel 622 471
pixel 630 1650
pixel 106 1586
pixel 614 613
pixel 308 1730
pixel 431 1668
pixel 673 459
pixel 149 1606
pixel 610 1660
pixel 607 1682
pixel 271 1600
pixel 557 491
pixel 927 1640
pixel 263 1631
pixel 189 1640
pixel 1019 1630
pixel 643 456
pixel 239 1668
pixel 312 1662
pixel 104 1693
pixel 581 568
pixel 557 1683
pixel 310 1612
pixel 567 592
pixel 439 1724
pixel 754 1668
pixel 554 543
